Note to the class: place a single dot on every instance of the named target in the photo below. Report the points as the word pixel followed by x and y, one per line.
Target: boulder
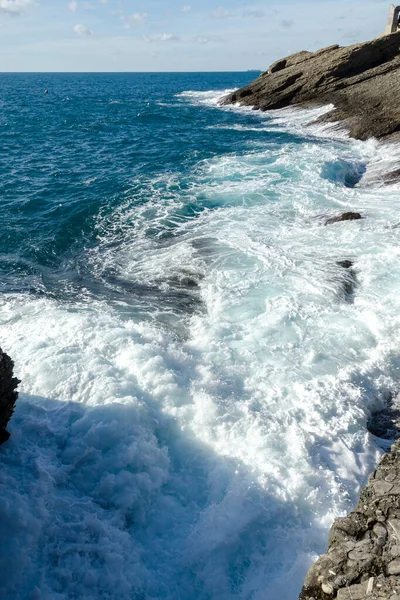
pixel 8 394
pixel 346 264
pixel 346 216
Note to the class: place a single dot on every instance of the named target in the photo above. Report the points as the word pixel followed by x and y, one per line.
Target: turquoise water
pixel 77 152
pixel 197 369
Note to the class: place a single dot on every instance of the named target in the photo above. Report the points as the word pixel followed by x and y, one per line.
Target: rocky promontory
pixel 8 393
pixel 361 81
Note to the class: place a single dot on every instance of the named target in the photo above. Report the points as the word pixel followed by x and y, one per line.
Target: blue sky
pixel 175 35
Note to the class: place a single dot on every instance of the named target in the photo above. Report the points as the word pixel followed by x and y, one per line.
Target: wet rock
pixel 8 394
pixel 363 558
pixel 346 216
pixel 385 423
pixel 362 81
pixel 346 264
pixel 348 281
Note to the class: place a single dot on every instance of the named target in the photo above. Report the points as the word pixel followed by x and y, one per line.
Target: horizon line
pixel 122 72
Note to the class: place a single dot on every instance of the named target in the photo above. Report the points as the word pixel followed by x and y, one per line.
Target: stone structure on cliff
pixel 393 21
pixel 8 394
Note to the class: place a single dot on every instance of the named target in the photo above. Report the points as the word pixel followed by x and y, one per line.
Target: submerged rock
pixel 362 81
pixel 346 216
pixel 385 423
pixel 348 283
pixel 346 264
pixel 363 558
pixel 8 394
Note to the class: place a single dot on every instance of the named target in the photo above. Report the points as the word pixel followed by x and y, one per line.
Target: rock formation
pixel 363 558
pixel 346 216
pixel 8 394
pixel 362 81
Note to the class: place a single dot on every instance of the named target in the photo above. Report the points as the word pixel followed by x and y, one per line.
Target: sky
pixel 175 35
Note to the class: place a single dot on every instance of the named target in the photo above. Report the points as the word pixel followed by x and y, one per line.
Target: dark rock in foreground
pixel 346 264
pixel 8 394
pixel 362 81
pixel 363 558
pixel 349 281
pixel 347 216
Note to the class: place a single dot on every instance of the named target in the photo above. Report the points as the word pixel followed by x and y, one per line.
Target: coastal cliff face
pixel 8 394
pixel 363 558
pixel 362 81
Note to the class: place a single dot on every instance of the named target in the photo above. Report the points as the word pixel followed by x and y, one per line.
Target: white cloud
pixel 161 37
pixel 205 39
pixel 82 30
pixel 73 5
pixel 137 17
pixel 257 13
pixel 186 8
pixel 220 13
pixel 133 19
pixel 14 7
pixel 201 39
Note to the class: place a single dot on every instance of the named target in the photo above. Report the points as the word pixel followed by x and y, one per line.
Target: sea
pixel 198 364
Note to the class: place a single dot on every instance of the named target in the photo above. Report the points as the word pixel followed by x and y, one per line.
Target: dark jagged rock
pixel 391 177
pixel 363 558
pixel 348 281
pixel 362 81
pixel 347 216
pixel 385 423
pixel 346 264
pixel 8 394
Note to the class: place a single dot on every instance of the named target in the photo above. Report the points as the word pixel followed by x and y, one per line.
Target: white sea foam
pixel 208 464
pixel 210 98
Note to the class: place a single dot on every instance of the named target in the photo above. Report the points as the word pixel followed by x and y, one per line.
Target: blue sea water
pixel 196 375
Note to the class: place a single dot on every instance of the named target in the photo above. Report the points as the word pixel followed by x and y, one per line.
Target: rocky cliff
pixel 363 558
pixel 362 81
pixel 8 394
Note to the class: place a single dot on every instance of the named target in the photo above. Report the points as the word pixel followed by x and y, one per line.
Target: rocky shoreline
pixel 363 558
pixel 8 394
pixel 362 82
